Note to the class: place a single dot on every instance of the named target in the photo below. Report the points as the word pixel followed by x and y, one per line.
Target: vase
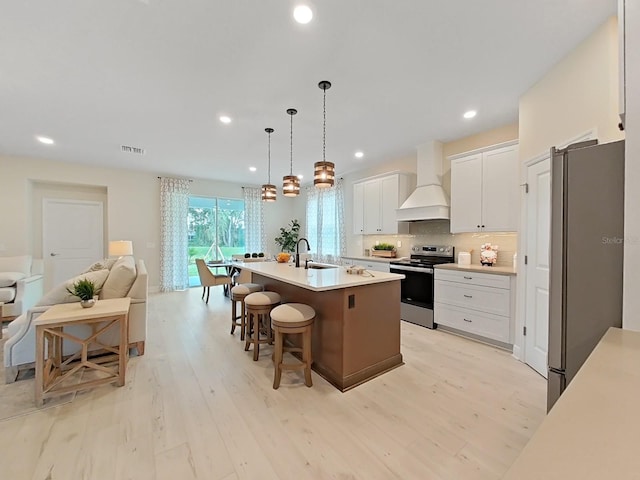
pixel 88 303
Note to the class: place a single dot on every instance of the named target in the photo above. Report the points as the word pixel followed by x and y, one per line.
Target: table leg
pixel 39 364
pixel 123 350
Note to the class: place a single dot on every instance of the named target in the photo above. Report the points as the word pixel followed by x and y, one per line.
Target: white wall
pixel 631 305
pixel 578 94
pixel 133 205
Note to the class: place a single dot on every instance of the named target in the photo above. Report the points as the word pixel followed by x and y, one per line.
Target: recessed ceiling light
pixel 300 177
pixel 252 169
pixel 45 140
pixel 225 119
pixel 302 14
pixel 470 114
pixel 359 154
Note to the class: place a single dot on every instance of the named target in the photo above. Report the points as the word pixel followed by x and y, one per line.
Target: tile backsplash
pixel 436 232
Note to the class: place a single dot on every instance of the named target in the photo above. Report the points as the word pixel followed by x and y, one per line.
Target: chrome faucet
pixel 298 249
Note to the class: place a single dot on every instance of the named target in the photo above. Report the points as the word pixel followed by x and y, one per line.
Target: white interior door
pixel 72 236
pixel 537 268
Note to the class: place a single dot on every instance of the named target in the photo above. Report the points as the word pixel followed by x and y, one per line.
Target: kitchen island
pixel 356 333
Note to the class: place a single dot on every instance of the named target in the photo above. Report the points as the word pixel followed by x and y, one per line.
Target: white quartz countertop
pixel 374 259
pixel 317 279
pixel 478 268
pixel 593 430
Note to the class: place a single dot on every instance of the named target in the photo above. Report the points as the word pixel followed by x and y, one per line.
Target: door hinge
pixel 524 331
pixel 526 187
pixel 526 259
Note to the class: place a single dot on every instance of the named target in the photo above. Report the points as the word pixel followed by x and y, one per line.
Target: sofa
pixel 124 277
pixel 21 284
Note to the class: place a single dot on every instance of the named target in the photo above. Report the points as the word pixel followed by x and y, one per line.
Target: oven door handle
pixel 411 269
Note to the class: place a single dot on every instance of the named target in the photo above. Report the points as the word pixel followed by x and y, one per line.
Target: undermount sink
pixel 320 266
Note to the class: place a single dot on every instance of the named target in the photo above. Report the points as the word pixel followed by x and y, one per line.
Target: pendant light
pixel 291 183
pixel 324 172
pixel 269 190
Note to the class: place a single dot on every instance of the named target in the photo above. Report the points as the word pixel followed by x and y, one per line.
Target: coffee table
pixel 52 369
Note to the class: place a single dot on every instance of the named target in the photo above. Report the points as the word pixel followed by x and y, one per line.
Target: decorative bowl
pixel 283 257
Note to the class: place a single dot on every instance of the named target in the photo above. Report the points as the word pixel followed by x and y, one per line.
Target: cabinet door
pixel 388 204
pixel 372 207
pixel 500 190
pixel 466 194
pixel 358 208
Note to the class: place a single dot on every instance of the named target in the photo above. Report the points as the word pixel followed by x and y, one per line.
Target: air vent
pixel 130 149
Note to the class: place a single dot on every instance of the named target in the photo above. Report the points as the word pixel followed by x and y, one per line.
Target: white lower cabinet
pixel 480 304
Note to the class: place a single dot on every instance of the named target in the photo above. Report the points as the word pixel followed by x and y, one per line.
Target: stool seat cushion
pixel 262 298
pixel 292 314
pixel 246 288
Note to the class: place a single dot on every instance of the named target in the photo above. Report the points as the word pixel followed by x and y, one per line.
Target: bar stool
pixel 258 305
pixel 288 319
pixel 238 293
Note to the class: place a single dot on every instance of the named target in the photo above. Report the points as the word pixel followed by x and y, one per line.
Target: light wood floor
pixel 196 406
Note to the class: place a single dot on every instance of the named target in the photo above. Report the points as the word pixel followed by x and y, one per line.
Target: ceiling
pixel 157 74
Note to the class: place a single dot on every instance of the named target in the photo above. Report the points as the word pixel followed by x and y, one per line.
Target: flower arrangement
pixel 488 254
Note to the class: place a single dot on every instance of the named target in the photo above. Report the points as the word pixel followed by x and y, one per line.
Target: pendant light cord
pixel 324 122
pixel 291 145
pixel 269 156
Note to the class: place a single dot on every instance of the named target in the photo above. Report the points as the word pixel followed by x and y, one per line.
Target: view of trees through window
pixel 216 229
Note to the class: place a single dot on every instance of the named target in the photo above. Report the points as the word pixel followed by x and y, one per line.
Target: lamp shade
pixel 119 248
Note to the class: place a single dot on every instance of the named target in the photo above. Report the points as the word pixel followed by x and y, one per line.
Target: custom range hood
pixel 429 201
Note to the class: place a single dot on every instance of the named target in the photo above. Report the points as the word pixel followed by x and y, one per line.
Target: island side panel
pixel 327 341
pixel 371 331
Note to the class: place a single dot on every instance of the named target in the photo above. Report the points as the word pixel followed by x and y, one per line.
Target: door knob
pixel 54 254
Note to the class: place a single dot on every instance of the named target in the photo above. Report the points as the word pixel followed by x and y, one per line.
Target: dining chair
pixel 209 279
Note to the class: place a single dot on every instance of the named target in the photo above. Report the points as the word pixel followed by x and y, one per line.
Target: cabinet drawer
pixel 483 324
pixel 486 299
pixel 473 278
pixel 376 266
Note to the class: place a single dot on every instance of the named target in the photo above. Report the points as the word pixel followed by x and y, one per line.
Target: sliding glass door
pixel 216 230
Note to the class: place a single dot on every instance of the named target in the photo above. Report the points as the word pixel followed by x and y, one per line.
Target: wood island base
pixel 356 332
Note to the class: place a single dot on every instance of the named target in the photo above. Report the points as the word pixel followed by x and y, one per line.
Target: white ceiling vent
pixel 130 149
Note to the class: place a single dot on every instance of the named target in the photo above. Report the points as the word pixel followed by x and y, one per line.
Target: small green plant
pixel 384 246
pixel 83 289
pixel 288 236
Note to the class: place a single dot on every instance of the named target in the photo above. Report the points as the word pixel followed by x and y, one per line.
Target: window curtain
pixel 255 239
pixel 174 235
pixel 325 222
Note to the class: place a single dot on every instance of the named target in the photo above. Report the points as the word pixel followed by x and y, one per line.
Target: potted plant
pixel 384 250
pixel 288 236
pixel 85 290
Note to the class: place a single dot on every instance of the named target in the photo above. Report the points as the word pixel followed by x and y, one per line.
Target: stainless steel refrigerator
pixel 586 257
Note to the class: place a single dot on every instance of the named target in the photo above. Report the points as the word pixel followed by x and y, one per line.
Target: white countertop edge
pixel 478 268
pixel 317 280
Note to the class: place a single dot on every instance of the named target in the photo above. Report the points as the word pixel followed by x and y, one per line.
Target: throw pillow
pixel 101 265
pixel 20 263
pixel 59 293
pixel 121 277
pixel 8 279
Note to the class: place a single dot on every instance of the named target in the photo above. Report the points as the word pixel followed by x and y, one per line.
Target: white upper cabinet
pixel 485 191
pixel 375 202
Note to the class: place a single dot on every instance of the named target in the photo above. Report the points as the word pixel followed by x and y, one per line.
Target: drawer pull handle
pixel 468 296
pixel 468 278
pixel 467 320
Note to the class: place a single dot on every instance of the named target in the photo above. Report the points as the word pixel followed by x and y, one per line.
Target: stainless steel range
pixel 416 291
